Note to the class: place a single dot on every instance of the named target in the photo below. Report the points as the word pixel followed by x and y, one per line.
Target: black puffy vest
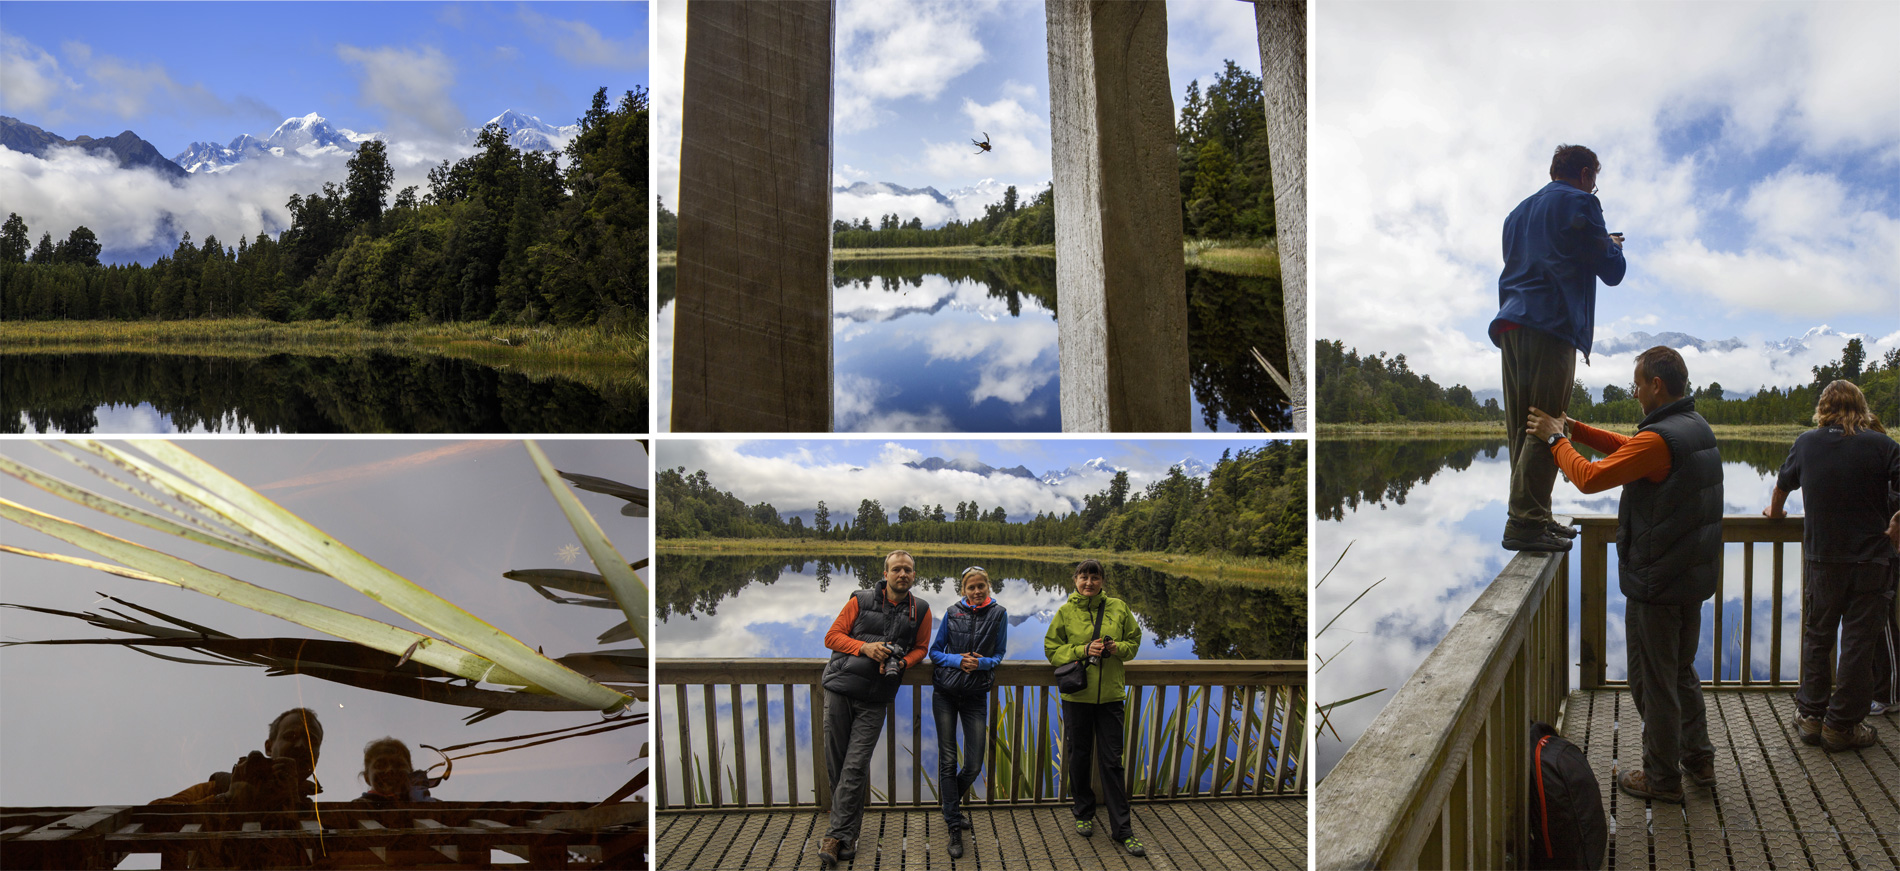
pixel 970 631
pixel 860 677
pixel 1669 534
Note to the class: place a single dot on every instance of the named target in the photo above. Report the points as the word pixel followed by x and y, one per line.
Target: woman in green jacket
pixel 1092 718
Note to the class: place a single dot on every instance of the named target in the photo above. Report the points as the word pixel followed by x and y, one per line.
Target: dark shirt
pixel 1555 249
pixel 1851 482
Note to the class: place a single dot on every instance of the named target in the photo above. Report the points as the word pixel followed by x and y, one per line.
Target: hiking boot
pixel 1636 783
pixel 1085 828
pixel 1133 846
pixel 956 842
pixel 1703 773
pixel 828 853
pixel 1561 530
pixel 848 850
pixel 1810 729
pixel 1542 541
pixel 965 823
pixel 1852 738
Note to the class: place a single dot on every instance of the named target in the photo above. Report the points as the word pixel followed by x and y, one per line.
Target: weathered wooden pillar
pixel 752 347
pixel 1282 31
pixel 1121 285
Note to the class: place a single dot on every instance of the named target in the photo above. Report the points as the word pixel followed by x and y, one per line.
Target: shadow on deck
pixel 1777 803
pixel 1268 834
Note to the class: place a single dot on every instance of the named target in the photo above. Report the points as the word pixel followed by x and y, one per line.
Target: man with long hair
pixel 1556 247
pixel 1851 470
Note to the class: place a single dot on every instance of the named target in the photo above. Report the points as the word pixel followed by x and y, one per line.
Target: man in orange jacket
pixel 272 780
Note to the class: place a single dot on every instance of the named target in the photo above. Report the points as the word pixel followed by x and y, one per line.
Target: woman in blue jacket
pixel 971 640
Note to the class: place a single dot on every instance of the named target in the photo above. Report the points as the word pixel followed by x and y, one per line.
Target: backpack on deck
pixel 1568 830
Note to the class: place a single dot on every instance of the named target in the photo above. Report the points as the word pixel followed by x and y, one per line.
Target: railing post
pixel 820 774
pixel 1594 600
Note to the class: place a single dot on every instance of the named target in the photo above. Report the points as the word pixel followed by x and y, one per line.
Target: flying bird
pixel 983 146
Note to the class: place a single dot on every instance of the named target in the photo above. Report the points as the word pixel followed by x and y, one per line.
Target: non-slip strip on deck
pixel 1264 834
pixel 1776 803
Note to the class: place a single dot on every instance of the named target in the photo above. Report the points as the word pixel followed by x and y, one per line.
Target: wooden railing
pixel 1194 730
pixel 1438 779
pixel 1599 533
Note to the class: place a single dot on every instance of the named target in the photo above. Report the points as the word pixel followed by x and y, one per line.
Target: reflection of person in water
pixel 274 779
pixel 391 776
pixel 971 641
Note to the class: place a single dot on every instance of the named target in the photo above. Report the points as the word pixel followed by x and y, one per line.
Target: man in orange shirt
pixel 1669 560
pixel 880 633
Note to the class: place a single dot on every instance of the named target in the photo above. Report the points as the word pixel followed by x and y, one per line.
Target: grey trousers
pixel 1855 600
pixel 1668 694
pixel 1887 649
pixel 851 731
pixel 1539 369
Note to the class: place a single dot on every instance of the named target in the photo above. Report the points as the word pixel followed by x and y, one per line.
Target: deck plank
pixel 1262 833
pixel 1776 802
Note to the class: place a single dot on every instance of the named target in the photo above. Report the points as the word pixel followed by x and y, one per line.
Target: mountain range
pixel 312 135
pixel 966 202
pixel 126 148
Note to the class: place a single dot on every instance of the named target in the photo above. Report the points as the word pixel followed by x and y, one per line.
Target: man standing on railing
pixel 1669 560
pixel 1849 467
pixel 880 633
pixel 1555 248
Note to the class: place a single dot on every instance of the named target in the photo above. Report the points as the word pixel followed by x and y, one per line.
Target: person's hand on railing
pixel 1775 501
pixel 969 663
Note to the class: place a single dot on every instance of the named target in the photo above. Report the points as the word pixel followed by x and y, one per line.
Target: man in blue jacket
pixel 1555 249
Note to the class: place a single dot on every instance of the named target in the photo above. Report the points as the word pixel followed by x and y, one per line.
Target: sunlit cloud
pixel 411 86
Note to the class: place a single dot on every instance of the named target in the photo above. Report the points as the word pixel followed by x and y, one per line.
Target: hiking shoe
pixel 1810 729
pixel 1561 530
pixel 828 853
pixel 1085 828
pixel 1133 846
pixel 1636 783
pixel 848 850
pixel 965 823
pixel 1853 738
pixel 1544 541
pixel 1880 709
pixel 1703 773
pixel 956 842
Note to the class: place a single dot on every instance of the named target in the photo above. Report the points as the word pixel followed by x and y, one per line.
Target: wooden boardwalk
pixel 1776 803
pixel 1267 834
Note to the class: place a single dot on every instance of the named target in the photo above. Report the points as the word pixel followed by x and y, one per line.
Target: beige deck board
pixel 1776 803
pixel 1264 833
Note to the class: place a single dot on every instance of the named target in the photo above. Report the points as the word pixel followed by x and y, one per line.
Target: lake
pixel 969 345
pixel 781 605
pixel 1427 516
pixel 370 392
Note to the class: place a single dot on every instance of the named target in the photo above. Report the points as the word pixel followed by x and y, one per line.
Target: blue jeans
pixel 952 782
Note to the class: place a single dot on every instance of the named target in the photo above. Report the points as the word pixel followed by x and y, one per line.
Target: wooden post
pixel 1121 283
pixel 752 351
pixel 1282 32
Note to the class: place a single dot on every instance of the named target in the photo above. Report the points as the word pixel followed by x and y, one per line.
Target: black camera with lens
pixel 893 664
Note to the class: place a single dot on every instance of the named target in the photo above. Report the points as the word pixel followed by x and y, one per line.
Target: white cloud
pixel 847 206
pixel 897 455
pixel 34 83
pixel 411 86
pixel 581 44
pixel 1202 34
pixel 892 51
pixel 1019 143
pixel 667 75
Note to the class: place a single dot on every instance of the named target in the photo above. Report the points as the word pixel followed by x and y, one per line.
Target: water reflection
pixel 960 344
pixel 789 601
pixel 1427 515
pixel 372 392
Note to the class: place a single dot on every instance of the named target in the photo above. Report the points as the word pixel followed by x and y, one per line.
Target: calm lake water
pixel 1427 516
pixel 372 392
pixel 89 725
pixel 962 345
pixel 780 606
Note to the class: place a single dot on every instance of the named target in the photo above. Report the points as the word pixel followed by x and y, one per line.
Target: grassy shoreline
pixel 1495 429
pixel 1263 261
pixel 586 354
pixel 1205 567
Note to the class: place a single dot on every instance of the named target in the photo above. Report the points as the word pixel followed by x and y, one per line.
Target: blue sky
pixel 175 73
pixel 794 475
pixel 1750 152
pixel 916 81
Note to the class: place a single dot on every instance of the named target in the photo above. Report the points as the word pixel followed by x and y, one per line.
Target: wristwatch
pixel 1552 441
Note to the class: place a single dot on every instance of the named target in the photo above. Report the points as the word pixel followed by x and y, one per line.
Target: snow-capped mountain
pixel 1635 343
pixel 1827 337
pixel 308 136
pixel 1097 467
pixel 970 200
pixel 1193 468
pixel 871 188
pixel 527 132
pixel 933 464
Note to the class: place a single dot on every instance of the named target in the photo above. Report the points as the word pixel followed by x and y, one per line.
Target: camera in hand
pixel 894 663
pixel 255 768
pixel 1096 659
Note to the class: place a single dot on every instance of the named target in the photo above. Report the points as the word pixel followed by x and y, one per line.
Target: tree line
pixel 1374 389
pixel 1253 503
pixel 502 235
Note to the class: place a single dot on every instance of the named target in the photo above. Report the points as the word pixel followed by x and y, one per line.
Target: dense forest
pixel 1374 389
pixel 1226 184
pixel 1252 504
pixel 502 236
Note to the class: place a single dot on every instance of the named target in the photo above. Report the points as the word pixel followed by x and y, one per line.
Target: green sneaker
pixel 1134 847
pixel 1085 828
